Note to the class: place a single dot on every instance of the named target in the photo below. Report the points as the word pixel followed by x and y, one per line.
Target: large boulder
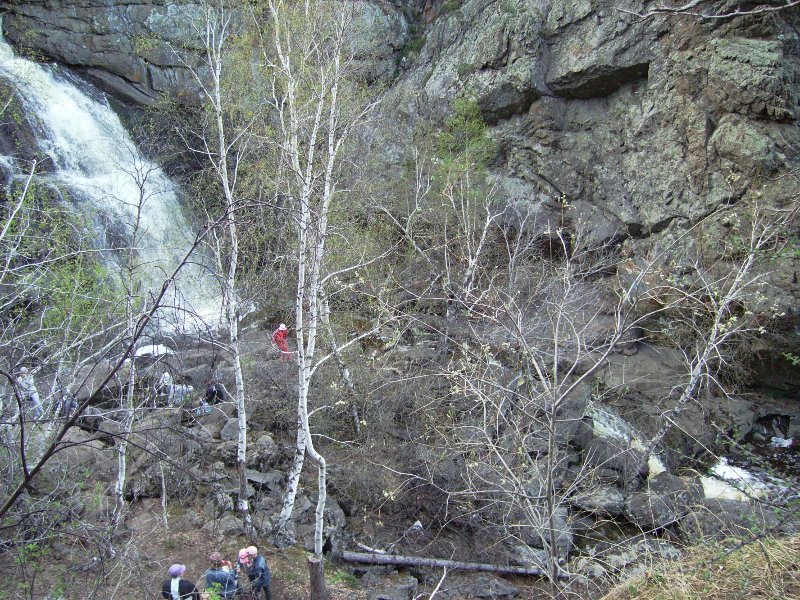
pixel 666 500
pixel 602 499
pixel 715 520
pixel 615 456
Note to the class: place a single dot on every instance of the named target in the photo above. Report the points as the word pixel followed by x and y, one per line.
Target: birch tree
pixel 224 144
pixel 131 266
pixel 716 307
pixel 316 107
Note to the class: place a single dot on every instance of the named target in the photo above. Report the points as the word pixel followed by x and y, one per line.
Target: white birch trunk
pixel 217 21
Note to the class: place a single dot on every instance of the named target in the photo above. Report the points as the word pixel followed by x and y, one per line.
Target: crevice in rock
pixel 600 83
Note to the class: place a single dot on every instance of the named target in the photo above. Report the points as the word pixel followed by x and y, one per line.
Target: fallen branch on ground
pixel 414 561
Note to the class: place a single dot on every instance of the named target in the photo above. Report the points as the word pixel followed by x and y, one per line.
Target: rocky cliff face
pixel 130 45
pixel 635 129
pixel 633 125
pixel 631 129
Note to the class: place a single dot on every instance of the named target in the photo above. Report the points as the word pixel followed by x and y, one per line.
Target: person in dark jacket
pixel 221 576
pixel 215 392
pixel 178 588
pixel 257 571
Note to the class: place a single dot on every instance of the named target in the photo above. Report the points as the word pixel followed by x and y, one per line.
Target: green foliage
pixel 30 552
pixel 413 46
pixel 464 69
pixel 48 260
pixel 144 46
pixel 343 577
pixel 792 358
pixel 214 591
pixel 464 140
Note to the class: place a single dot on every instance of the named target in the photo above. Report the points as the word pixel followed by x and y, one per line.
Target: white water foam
pixel 728 482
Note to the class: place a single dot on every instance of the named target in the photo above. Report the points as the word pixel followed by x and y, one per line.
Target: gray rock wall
pixel 130 45
pixel 629 128
pixel 632 129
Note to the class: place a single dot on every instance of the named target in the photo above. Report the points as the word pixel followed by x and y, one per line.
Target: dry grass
pixel 761 570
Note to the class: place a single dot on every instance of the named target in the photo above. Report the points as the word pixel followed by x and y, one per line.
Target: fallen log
pixel 414 561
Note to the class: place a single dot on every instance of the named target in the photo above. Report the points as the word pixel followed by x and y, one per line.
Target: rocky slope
pixel 631 130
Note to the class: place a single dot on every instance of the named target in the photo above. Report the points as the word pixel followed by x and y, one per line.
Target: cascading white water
pixel 94 157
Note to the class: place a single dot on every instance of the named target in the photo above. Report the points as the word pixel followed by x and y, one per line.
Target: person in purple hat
pixel 176 587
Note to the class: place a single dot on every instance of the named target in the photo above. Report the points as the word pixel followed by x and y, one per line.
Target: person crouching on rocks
pixel 176 587
pixel 279 337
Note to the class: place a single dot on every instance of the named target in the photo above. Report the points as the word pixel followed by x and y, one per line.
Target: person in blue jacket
pixel 221 577
pixel 257 571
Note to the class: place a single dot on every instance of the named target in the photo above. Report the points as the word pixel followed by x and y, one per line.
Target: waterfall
pixel 93 157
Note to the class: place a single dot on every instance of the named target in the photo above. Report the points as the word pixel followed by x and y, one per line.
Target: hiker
pixel 181 394
pixel 66 404
pixel 215 392
pixel 279 337
pixel 29 393
pixel 222 576
pixel 257 571
pixel 164 386
pixel 176 587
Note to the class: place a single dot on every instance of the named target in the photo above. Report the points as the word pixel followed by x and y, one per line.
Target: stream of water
pixel 108 181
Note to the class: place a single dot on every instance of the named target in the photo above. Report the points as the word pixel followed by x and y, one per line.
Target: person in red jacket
pixel 279 339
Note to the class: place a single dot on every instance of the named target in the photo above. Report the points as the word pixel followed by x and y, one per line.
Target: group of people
pixel 176 394
pixel 250 573
pixel 166 386
pixel 64 405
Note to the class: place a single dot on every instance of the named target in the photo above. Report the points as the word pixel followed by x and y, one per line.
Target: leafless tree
pixel 306 61
pixel 225 144
pixel 710 9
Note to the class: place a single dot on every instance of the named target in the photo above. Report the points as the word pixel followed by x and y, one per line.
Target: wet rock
pixel 617 456
pixel 666 500
pixel 606 500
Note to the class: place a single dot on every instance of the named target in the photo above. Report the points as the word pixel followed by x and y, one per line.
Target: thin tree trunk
pixel 316 575
pixel 292 486
pixel 163 496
